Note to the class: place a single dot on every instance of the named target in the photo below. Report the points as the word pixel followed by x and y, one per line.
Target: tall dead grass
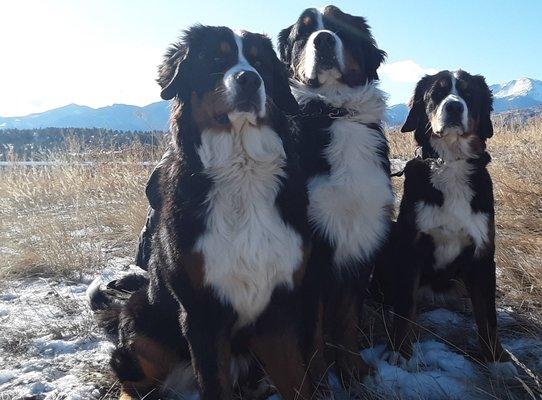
pixel 68 216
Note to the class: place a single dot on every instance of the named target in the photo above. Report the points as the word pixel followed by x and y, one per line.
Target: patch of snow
pixel 56 349
pixel 397 165
pixel 6 375
pixel 433 372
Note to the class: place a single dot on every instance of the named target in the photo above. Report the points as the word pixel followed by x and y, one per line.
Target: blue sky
pixel 101 52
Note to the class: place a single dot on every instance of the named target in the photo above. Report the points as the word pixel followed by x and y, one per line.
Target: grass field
pixel 65 221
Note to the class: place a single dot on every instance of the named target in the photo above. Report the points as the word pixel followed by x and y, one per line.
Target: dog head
pixel 225 76
pixel 450 114
pixel 327 46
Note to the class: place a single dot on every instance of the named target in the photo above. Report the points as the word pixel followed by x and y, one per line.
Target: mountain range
pixel 519 94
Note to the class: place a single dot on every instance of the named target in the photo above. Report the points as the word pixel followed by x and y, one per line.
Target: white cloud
pixel 404 71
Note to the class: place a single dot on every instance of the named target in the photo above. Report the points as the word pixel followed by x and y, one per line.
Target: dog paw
pixel 394 358
pixel 502 370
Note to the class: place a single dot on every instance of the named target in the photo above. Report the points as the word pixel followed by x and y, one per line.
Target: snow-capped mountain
pixel 517 94
pixel 121 117
pixel 396 114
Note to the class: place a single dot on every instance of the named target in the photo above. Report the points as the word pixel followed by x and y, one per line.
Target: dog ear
pixel 375 57
pixel 485 126
pixel 417 106
pixel 281 93
pixel 283 39
pixel 172 73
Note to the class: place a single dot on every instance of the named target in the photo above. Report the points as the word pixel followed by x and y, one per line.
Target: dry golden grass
pixel 67 218
pixel 516 150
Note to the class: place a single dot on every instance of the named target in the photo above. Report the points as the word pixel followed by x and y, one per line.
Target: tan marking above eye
pixel 443 83
pixel 307 20
pixel 463 85
pixel 225 47
pixel 253 51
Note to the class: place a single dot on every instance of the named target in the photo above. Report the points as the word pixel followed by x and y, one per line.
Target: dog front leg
pixel 481 284
pixel 210 350
pixel 404 308
pixel 343 324
pixel 281 357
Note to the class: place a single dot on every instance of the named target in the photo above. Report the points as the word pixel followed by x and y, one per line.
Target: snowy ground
pixel 50 345
pixel 51 349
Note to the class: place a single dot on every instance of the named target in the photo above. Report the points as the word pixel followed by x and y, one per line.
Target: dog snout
pixel 454 108
pixel 324 41
pixel 248 81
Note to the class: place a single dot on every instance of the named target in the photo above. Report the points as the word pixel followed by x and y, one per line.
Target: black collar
pixel 318 108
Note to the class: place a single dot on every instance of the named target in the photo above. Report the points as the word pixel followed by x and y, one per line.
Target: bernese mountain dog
pixel 333 61
pixel 231 245
pixel 445 231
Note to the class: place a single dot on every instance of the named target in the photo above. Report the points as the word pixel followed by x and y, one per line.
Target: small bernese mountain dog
pixel 445 231
pixel 232 241
pixel 333 61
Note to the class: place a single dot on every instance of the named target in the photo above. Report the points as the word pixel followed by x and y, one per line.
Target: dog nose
pixel 454 108
pixel 249 81
pixel 324 40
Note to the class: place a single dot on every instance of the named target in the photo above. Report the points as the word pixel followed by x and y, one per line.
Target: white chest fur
pixel 247 247
pixel 454 225
pixel 350 206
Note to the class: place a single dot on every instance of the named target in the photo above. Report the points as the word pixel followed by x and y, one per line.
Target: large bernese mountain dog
pixel 333 61
pixel 232 241
pixel 445 232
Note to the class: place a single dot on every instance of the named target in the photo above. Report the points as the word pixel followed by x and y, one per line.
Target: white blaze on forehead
pixel 242 65
pixel 320 18
pixel 441 113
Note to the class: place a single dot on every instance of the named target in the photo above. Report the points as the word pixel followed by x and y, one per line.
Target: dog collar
pixel 314 109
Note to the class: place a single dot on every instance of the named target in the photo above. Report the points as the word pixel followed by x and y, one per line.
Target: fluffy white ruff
pixel 366 103
pixel 452 145
pixel 247 247
pixel 454 225
pixel 350 206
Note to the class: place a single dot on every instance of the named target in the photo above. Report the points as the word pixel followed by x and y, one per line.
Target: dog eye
pixel 218 60
pixel 257 63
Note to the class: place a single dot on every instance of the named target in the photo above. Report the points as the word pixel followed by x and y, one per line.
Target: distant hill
pixel 123 117
pixel 519 94
pixel 396 114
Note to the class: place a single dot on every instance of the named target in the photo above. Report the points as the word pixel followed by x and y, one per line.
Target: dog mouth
pixel 247 106
pixel 449 129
